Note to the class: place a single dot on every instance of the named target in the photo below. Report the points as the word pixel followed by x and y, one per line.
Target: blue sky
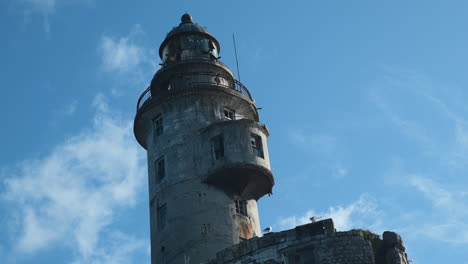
pixel 365 101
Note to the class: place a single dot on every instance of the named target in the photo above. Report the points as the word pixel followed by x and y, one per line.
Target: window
pixel 217 145
pixel 241 207
pixel 213 50
pixel 256 143
pixel 228 114
pixel 158 125
pixel 160 169
pixel 162 216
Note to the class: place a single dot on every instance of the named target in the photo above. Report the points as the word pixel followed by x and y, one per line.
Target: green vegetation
pixel 367 234
pixel 377 244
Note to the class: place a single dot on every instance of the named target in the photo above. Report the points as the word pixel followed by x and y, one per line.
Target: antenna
pixel 235 52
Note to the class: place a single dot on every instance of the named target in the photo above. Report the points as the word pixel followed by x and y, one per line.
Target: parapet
pixel 317 243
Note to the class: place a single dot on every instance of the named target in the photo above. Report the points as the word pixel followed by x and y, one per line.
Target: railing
pixel 192 79
pixel 145 96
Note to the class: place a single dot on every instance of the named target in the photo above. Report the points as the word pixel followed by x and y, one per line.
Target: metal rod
pixel 235 52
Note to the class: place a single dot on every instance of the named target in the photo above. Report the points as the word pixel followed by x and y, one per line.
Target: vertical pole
pixel 237 61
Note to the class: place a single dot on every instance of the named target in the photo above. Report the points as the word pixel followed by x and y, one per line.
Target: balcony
pixel 235 165
pixel 191 80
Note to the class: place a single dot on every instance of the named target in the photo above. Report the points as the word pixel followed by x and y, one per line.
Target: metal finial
pixel 186 18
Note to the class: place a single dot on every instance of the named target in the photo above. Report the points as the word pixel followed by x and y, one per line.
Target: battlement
pixel 316 243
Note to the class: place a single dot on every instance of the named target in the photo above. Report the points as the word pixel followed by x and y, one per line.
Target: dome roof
pixel 187 26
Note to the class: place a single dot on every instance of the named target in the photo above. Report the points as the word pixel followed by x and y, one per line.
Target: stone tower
pixel 207 153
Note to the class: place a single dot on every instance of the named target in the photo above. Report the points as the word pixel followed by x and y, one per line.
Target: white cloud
pixel 69 196
pixel 122 53
pixel 128 59
pixel 362 213
pixel 120 249
pixel 36 234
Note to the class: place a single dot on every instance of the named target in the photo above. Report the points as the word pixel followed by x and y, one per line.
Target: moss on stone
pixel 377 244
pixel 366 234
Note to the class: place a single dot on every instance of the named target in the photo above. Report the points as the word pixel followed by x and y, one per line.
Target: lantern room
pixel 188 41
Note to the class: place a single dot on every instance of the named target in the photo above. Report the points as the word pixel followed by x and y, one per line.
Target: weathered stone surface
pixel 392 239
pixel 302 245
pixel 396 256
pixel 394 248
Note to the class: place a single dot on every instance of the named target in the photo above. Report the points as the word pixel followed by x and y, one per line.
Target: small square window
pixel 162 216
pixel 228 114
pixel 158 125
pixel 217 145
pixel 241 207
pixel 257 147
pixel 160 169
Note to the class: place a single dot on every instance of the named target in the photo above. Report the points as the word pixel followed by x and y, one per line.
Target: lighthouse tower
pixel 208 161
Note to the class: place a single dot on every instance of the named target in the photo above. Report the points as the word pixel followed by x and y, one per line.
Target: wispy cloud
pixel 323 147
pixel 409 128
pixel 69 196
pixel 323 144
pixel 363 213
pixel 45 8
pixel 433 116
pixel 428 98
pixel 67 109
pixel 70 109
pixel 447 221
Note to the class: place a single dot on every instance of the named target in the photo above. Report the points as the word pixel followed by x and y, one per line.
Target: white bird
pixel 314 219
pixel 267 230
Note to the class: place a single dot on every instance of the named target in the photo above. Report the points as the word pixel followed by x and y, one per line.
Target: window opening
pixel 160 169
pixel 228 114
pixel 162 216
pixel 213 51
pixel 241 207
pixel 158 125
pixel 217 145
pixel 257 147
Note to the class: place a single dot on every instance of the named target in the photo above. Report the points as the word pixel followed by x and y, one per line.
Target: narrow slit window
pixel 257 147
pixel 160 169
pixel 217 145
pixel 158 125
pixel 162 216
pixel 228 114
pixel 241 207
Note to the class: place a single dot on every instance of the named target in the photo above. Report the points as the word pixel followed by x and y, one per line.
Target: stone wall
pixel 308 244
